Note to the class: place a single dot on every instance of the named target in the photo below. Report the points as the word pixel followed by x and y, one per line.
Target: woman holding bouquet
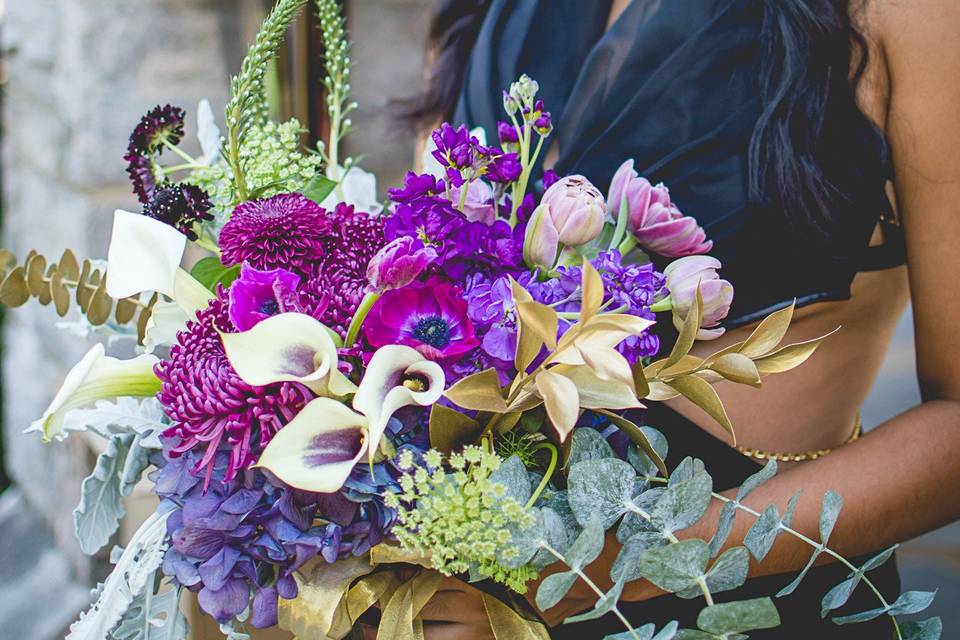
pixel 815 141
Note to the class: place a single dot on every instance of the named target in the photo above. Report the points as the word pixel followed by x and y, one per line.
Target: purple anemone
pixel 256 295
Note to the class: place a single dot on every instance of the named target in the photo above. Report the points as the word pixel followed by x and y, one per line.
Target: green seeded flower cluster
pixel 460 517
pixel 273 161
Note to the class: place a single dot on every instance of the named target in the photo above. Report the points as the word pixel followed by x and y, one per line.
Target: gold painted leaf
pixel 592 286
pixel 126 309
pixel 702 394
pixel 36 266
pixel 540 319
pixel 507 624
pixel 450 430
pixel 790 356
pixel 640 381
pixel 68 267
pixel 83 292
pixel 733 348
pixel 321 590
pixel 768 333
pixel 479 392
pixel 607 364
pixel 98 311
pixel 597 393
pixel 61 296
pixel 562 400
pixel 636 436
pixel 738 368
pixel 688 333
pixel 46 295
pixel 7 259
pixel 144 317
pixel 14 290
pixel 660 392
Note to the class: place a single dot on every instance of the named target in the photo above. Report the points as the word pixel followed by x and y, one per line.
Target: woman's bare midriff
pixel 816 405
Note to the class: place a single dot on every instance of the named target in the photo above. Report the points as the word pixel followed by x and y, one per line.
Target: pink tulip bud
pixel 576 209
pixel 684 276
pixel 398 263
pixel 653 219
pixel 541 241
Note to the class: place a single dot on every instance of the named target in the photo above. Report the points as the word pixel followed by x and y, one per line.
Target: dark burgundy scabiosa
pixel 339 279
pixel 180 206
pixel 211 407
pixel 287 231
pixel 159 124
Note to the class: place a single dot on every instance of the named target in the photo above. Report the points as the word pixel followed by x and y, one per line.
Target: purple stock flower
pixel 507 132
pixel 415 187
pixel 286 231
pixel 456 150
pixel 180 206
pixel 549 177
pixel 504 168
pixel 256 295
pixel 399 263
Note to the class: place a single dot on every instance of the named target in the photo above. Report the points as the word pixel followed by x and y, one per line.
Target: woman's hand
pixel 455 612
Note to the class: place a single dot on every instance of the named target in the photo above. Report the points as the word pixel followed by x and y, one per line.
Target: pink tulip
pixel 399 263
pixel 684 276
pixel 653 219
pixel 541 241
pixel 478 207
pixel 576 210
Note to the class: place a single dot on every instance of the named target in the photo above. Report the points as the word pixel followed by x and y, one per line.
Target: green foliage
pixel 737 617
pixel 247 108
pixel 463 517
pixel 160 615
pixel 336 80
pixel 117 471
pixel 210 272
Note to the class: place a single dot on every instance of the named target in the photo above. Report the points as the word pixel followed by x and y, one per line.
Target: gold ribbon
pixel 332 597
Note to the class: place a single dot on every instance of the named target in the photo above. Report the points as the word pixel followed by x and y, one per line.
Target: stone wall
pixel 80 75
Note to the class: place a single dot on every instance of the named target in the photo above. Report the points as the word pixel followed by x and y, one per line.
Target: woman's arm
pixel 899 480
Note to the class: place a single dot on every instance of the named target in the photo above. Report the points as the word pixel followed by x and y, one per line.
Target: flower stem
pixel 662 305
pixel 177 150
pixel 554 456
pixel 629 244
pixel 353 331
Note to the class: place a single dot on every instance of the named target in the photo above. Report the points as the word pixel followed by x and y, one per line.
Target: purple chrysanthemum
pixel 180 206
pixel 158 125
pixel 286 231
pixel 339 279
pixel 210 406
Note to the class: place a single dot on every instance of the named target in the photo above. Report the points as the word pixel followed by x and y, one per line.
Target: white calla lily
pixel 145 255
pixel 318 448
pixel 97 377
pixel 166 319
pixel 288 347
pixel 396 377
pixel 355 187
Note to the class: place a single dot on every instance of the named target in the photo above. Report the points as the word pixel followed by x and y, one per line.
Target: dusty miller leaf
pixel 600 488
pixel 125 415
pixel 138 563
pixel 165 619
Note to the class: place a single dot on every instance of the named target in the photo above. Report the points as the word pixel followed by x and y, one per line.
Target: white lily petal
pixel 97 377
pixel 208 133
pixel 166 319
pixel 356 187
pixel 289 347
pixel 144 255
pixel 319 448
pixel 382 391
pixel 189 294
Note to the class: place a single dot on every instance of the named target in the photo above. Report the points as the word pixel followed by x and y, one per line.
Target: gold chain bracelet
pixel 800 457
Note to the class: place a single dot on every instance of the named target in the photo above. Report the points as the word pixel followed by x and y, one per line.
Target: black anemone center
pixel 270 308
pixel 432 330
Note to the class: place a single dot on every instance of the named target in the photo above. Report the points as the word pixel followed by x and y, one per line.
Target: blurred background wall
pixel 76 76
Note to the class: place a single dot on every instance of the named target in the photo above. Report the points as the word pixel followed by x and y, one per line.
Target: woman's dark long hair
pixel 811 54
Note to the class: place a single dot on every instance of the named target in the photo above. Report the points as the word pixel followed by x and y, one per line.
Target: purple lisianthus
pixel 431 318
pixel 257 294
pixel 399 263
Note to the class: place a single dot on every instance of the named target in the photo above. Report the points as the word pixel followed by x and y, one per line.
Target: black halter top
pixel 673 85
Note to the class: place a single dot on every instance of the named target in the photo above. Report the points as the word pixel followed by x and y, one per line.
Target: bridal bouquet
pixel 453 380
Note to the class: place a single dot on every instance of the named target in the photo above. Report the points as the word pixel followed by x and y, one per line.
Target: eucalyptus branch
pixel 593 587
